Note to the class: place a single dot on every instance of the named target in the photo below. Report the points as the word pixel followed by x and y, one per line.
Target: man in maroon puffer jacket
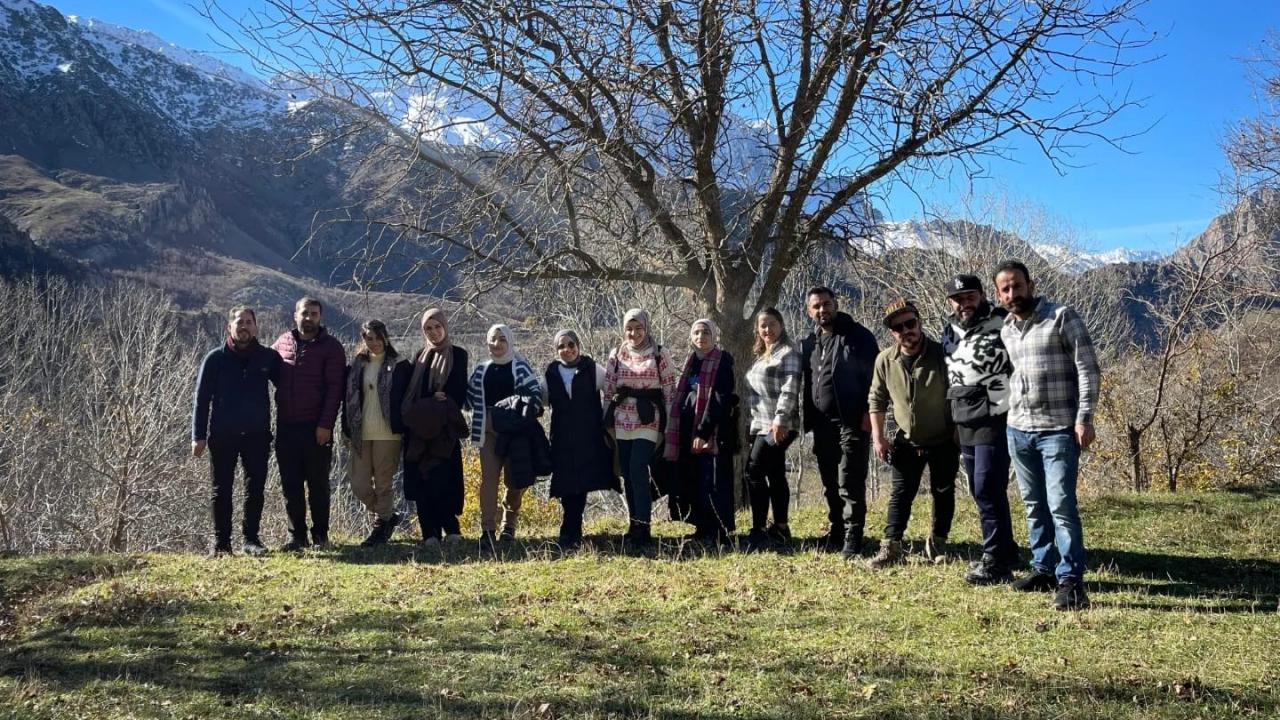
pixel 307 400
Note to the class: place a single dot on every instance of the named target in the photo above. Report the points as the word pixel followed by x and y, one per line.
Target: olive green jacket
pixel 919 400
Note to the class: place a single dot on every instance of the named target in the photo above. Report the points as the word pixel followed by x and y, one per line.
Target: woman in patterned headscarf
pixel 639 383
pixel 700 439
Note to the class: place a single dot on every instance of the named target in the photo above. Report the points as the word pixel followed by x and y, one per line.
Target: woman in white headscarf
pixel 581 460
pixel 639 383
pixel 701 438
pixel 504 374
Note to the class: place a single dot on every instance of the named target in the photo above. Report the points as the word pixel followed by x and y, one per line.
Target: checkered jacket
pixel 1055 370
pixel 773 390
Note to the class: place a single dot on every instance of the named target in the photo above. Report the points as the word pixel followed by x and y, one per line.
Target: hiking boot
pixel 453 539
pixel 254 547
pixel 294 545
pixel 637 537
pixel 988 571
pixel 1071 595
pixel 1035 581
pixel 377 536
pixel 833 541
pixel 220 551
pixel 757 540
pixel 778 533
pixel 935 548
pixel 890 554
pixel 392 523
pixel 320 542
pixel 508 535
pixel 431 543
pixel 852 546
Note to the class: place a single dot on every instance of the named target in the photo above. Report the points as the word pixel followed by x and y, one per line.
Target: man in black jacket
pixel 232 417
pixel 838 361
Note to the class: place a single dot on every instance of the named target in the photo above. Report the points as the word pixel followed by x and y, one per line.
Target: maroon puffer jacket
pixel 310 387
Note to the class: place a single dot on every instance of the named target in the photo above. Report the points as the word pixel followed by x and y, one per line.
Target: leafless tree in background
pixel 705 146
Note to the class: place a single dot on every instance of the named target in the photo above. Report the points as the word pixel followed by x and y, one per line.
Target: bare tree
pixel 705 146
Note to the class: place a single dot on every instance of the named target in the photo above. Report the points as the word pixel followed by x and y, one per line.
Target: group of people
pixel 1006 385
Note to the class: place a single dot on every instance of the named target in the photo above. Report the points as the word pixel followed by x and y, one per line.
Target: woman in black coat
pixel 435 428
pixel 701 437
pixel 581 461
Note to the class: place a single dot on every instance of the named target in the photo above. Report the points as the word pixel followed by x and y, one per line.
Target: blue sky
pixel 1155 196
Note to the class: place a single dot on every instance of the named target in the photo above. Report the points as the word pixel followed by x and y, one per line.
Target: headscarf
pixel 570 335
pixel 435 362
pixel 511 344
pixel 641 317
pixel 715 336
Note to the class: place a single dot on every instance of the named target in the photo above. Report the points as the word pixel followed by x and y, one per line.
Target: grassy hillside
pixel 1185 625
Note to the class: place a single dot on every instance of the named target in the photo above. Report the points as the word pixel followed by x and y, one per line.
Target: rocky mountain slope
pixel 124 154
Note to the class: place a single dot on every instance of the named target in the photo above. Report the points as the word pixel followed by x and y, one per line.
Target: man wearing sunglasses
pixel 911 378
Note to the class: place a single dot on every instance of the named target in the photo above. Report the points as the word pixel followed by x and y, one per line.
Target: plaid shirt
pixel 773 390
pixel 1055 371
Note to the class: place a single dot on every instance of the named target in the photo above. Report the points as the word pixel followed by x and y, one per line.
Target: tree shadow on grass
pixel 389 663
pixel 1229 584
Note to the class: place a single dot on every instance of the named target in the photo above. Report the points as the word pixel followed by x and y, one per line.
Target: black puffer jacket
pixel 521 440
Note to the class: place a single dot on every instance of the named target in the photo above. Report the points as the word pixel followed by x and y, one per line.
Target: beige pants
pixel 490 467
pixel 373 470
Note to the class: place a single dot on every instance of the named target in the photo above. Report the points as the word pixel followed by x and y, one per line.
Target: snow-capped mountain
pixel 953 237
pixel 40 47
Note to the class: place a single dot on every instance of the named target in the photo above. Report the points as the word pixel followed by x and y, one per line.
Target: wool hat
pixel 896 308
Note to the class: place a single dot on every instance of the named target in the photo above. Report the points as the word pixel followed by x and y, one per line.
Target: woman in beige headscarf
pixel 433 469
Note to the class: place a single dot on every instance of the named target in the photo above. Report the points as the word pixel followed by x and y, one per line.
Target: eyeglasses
pixel 905 325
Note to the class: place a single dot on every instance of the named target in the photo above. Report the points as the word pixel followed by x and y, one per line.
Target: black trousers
pixel 767 481
pixel 571 523
pixel 437 493
pixel 988 469
pixel 251 451
pixel 842 454
pixel 304 478
pixel 908 464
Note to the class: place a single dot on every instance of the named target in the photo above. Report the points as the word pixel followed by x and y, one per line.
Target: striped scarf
pixel 706 381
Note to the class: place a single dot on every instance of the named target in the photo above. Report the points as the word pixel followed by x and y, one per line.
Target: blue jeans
pixel 634 457
pixel 1047 464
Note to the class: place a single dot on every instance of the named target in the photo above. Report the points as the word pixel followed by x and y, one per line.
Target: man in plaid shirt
pixel 1052 396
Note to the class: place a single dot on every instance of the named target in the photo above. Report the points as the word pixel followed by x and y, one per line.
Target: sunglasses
pixel 905 325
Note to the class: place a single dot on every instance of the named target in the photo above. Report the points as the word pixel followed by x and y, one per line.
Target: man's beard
pixel 980 313
pixel 1022 305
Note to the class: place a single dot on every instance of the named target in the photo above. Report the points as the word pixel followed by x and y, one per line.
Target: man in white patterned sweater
pixel 978 371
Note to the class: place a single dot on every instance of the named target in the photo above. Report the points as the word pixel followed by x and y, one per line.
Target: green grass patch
pixel 1184 625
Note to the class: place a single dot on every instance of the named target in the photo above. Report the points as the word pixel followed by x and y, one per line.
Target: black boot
pixel 378 536
pixel 833 541
pixel 852 545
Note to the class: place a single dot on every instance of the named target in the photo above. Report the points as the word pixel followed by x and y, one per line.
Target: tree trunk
pixel 1137 474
